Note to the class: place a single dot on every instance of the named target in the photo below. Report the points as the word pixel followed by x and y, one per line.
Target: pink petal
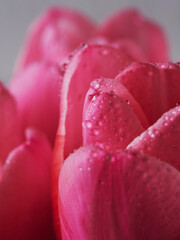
pixel 54 35
pixel 36 90
pixel 131 48
pixel 10 135
pixel 25 191
pixel 144 81
pixel 162 139
pixel 109 122
pixel 131 25
pixel 113 86
pixel 125 196
pixel 87 64
pixel 126 45
pixel 170 74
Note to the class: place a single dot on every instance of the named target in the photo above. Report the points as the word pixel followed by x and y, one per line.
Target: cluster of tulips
pixel 90 132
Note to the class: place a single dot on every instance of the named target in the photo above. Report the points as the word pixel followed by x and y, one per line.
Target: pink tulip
pixel 119 183
pixel 105 190
pixel 25 178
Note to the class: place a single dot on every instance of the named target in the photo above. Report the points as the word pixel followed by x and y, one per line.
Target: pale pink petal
pixel 125 196
pixel 54 35
pixel 162 139
pixel 36 90
pixel 131 25
pixel 109 122
pixel 25 191
pixel 89 63
pixel 10 132
pixel 144 81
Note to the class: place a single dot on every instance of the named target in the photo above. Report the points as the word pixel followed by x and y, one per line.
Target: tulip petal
pixel 25 191
pixel 113 86
pixel 162 139
pixel 131 25
pixel 125 196
pixel 54 35
pixel 145 83
pixel 170 74
pixel 36 90
pixel 110 123
pixel 89 63
pixel 10 136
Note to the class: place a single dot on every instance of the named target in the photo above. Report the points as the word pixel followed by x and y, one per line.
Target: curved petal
pixel 162 139
pixel 110 123
pixel 89 63
pixel 10 135
pixel 25 191
pixel 126 45
pixel 36 90
pixel 124 196
pixel 54 35
pixel 131 25
pixel 113 86
pixel 145 83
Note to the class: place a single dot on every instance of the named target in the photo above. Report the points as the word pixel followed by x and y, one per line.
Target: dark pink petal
pixel 170 74
pixel 36 90
pixel 54 35
pixel 89 63
pixel 145 83
pixel 162 139
pixel 110 123
pixel 131 25
pixel 10 135
pixel 125 196
pixel 25 191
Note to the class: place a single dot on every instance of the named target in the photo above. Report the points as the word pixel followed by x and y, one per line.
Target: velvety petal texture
pixel 10 134
pixel 36 90
pixel 123 196
pixel 89 63
pixel 25 191
pixel 131 25
pixel 54 35
pixel 162 139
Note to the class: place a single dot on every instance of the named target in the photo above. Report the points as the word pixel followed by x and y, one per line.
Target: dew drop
pixel 105 52
pixel 96 132
pixel 88 124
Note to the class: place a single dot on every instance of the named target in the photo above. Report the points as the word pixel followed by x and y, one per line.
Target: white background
pixel 16 15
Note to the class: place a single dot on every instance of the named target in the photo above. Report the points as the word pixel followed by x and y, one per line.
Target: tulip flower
pixel 117 108
pixel 124 183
